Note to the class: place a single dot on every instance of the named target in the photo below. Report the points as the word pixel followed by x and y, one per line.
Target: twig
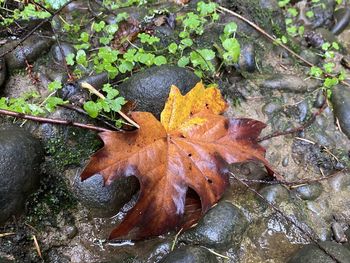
pixel 7 234
pixel 81 111
pixel 37 247
pixel 99 94
pixel 288 218
pixel 52 121
pixel 273 39
pixel 294 183
pixel 215 253
pixel 35 28
pixel 297 129
pixel 175 239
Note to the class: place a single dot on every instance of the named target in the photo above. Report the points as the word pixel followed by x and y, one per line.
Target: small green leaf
pixel 92 108
pixel 183 61
pixel 70 59
pixel 52 102
pixel 230 28
pixel 160 60
pixel 172 48
pixel 54 85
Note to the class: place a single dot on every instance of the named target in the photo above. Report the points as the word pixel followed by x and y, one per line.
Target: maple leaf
pixel 189 149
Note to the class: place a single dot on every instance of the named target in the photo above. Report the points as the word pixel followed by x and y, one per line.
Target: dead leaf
pixel 189 149
pixel 127 33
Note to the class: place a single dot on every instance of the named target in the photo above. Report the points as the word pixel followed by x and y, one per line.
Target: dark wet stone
pixel 285 161
pixel 303 109
pixel 271 107
pixel 309 191
pixel 3 71
pixel 340 182
pixel 274 194
pixel 190 254
pixel 20 158
pixel 323 13
pixel 104 200
pixel 338 233
pixel 318 37
pixel 74 93
pixel 341 105
pixel 313 254
pixel 60 52
pixel 246 60
pixel 290 83
pixel 29 50
pixel 214 230
pixel 150 88
pixel 342 17
pixel 320 99
pixel 96 80
pixel 310 56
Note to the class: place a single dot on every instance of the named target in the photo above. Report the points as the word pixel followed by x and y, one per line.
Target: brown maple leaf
pixel 189 149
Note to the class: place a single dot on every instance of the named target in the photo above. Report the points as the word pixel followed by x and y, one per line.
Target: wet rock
pixel 320 99
pixel 29 50
pixel 313 254
pixel 150 88
pixel 290 83
pixel 302 110
pixel 104 200
pixel 60 52
pixel 3 71
pixel 310 56
pixel 274 194
pixel 215 230
pixel 20 158
pixel 271 107
pixel 318 37
pixel 190 254
pixel 309 191
pixel 323 13
pixel 342 17
pixel 246 60
pixel 341 105
pixel 340 182
pixel 338 232
pixel 96 80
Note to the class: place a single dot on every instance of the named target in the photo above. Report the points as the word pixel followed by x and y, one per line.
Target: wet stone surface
pixel 190 254
pixel 20 157
pixel 214 230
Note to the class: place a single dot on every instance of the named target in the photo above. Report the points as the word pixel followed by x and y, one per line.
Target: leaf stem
pixel 89 87
pixel 52 121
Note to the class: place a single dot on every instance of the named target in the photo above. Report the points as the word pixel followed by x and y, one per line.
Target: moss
pixel 67 149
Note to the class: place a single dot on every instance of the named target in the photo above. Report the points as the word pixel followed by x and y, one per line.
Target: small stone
pixel 20 158
pixel 190 254
pixel 271 107
pixel 3 71
pixel 149 89
pixel 309 191
pixel 70 231
pixel 313 254
pixel 104 200
pixel 320 99
pixel 290 83
pixel 95 80
pixel 246 60
pixel 275 194
pixel 60 52
pixel 285 161
pixel 341 105
pixel 215 230
pixel 32 48
pixel 303 109
pixel 338 233
pixel 310 56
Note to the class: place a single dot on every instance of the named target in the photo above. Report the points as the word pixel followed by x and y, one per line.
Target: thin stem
pixel 53 121
pixel 100 95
